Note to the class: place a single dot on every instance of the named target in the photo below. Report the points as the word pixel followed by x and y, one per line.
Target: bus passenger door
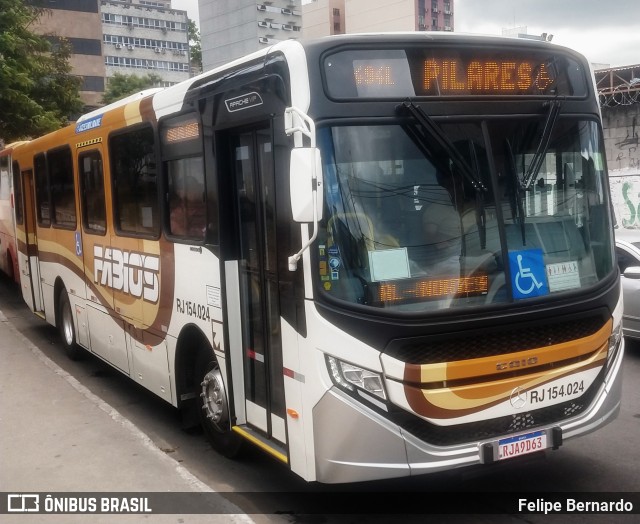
pixel 30 265
pixel 95 239
pixel 105 334
pixel 258 309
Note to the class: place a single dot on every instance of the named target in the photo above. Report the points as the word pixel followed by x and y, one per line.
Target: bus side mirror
pixel 305 184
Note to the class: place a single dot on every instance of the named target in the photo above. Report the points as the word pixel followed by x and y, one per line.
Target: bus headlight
pixel 354 379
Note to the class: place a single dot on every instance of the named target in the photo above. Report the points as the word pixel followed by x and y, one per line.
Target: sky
pixel 190 6
pixel 606 32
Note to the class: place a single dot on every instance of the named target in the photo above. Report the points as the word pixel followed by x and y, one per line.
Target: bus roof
pixel 10 147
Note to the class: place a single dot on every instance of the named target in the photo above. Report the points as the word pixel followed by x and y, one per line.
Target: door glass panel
pixel 256 204
pixel 250 284
pixel 265 163
pixel 272 314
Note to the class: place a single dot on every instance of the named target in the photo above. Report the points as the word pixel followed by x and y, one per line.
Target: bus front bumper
pixel 353 443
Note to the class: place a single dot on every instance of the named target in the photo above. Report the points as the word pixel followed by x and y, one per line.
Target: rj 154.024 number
pixel 570 389
pixel 192 309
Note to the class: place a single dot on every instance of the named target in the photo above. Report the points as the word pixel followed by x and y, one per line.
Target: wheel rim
pixel 214 398
pixel 67 324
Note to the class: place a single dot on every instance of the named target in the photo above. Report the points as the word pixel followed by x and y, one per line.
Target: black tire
pixel 213 406
pixel 10 271
pixel 66 327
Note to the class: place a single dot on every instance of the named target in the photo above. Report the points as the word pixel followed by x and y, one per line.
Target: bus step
pixel 273 448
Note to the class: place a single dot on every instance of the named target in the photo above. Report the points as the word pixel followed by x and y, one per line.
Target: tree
pixel 38 92
pixel 120 86
pixel 195 48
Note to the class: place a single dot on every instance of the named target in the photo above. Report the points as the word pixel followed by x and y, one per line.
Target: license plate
pixel 522 445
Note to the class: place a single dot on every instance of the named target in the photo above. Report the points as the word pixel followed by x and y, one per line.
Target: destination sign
pixel 442 72
pixel 485 76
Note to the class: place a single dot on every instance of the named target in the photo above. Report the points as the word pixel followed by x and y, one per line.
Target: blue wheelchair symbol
pixel 528 277
pixel 78 244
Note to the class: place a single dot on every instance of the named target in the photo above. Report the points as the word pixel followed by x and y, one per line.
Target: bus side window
pixel 93 200
pixel 133 167
pixel 184 172
pixel 42 190
pixel 63 194
pixel 187 204
pixel 17 193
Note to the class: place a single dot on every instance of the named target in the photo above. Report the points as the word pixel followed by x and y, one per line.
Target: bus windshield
pixel 466 214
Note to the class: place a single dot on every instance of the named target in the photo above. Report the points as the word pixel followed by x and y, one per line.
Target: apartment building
pixel 364 16
pixel 438 15
pixel 119 36
pixel 230 29
pixel 140 37
pixel 78 21
pixel 322 18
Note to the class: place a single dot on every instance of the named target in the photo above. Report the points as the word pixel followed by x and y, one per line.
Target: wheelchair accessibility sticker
pixel 528 275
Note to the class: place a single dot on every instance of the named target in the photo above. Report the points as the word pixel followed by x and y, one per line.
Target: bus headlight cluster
pixel 355 379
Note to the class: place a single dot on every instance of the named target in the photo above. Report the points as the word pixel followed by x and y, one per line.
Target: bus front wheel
pixel 214 406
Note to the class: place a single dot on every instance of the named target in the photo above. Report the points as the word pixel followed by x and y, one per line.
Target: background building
pixel 119 36
pixel 230 29
pixel 364 16
pixel 79 23
pixel 322 18
pixel 145 36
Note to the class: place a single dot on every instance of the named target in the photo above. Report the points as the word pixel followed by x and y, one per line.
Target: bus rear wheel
pixel 67 328
pixel 213 406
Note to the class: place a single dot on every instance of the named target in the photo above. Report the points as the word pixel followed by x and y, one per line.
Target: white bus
pixel 372 256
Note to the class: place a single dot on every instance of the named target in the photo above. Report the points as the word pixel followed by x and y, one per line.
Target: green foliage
pixel 38 93
pixel 120 86
pixel 195 48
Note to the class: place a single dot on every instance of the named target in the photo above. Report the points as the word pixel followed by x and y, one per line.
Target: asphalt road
pixel 602 462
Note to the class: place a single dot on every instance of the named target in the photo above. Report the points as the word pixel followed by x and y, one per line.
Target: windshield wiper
pixel 520 187
pixel 435 133
pixel 543 145
pixel 481 216
pixel 431 132
pixel 518 192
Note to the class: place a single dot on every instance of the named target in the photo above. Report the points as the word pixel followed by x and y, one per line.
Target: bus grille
pixel 434 350
pixel 492 428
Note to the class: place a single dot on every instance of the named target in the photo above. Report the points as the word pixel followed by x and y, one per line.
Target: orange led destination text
pixel 485 76
pixel 369 75
pixel 392 292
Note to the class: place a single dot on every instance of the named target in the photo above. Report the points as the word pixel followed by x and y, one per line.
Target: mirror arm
pixel 298 123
